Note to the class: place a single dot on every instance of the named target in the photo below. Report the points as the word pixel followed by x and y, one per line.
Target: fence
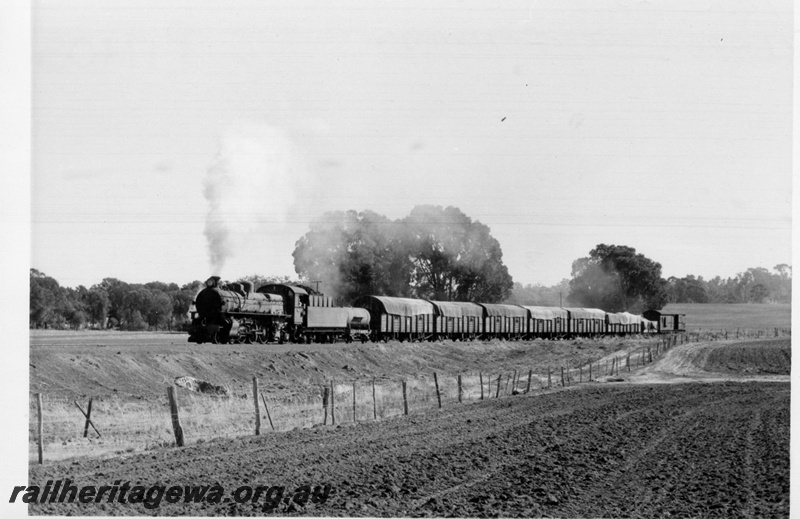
pixel 114 427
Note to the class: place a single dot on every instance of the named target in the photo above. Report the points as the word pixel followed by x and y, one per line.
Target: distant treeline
pixel 755 285
pixel 116 304
pixel 165 306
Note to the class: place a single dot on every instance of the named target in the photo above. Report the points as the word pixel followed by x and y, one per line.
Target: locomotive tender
pixel 274 313
pixel 279 312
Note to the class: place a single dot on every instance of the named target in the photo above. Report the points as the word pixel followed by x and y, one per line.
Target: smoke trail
pixel 252 173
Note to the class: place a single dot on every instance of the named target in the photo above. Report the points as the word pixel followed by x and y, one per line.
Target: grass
pixel 733 316
pixel 129 426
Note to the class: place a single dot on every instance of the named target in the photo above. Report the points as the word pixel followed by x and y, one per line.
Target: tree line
pixel 755 285
pixel 110 304
pixel 433 253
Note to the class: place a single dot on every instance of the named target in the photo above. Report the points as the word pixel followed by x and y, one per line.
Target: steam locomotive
pixel 235 312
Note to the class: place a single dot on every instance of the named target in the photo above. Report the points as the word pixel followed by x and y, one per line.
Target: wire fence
pixel 67 429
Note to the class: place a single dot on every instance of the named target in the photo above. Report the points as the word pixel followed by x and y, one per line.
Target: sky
pixel 664 126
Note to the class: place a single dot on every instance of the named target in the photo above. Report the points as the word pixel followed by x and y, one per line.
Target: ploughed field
pixel 677 450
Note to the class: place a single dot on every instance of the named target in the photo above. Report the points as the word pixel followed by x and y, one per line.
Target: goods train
pixel 235 312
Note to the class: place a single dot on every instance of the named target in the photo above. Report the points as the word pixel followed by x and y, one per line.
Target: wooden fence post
pixel 176 420
pixel 269 417
pixel 257 406
pixel 590 371
pixel 40 427
pixel 333 403
pixel 325 405
pixel 530 374
pixel 88 419
pixel 505 389
pixel 514 383
pixel 480 374
pixel 499 378
pixel 562 376
pixel 374 401
pixel 354 401
pixel 459 388
pixel 405 399
pixel 436 383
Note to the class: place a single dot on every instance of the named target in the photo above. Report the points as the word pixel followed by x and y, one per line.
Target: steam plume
pixel 250 175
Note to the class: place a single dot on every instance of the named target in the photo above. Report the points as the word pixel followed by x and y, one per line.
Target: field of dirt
pixel 703 430
pixel 613 450
pixel 745 360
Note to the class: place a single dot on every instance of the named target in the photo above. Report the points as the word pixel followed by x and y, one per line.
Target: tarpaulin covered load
pixel 505 319
pixel 456 318
pixel 586 320
pixel 546 320
pixel 398 317
pixel 546 312
pixel 457 309
pixel 624 322
pixel 396 305
pixel 623 318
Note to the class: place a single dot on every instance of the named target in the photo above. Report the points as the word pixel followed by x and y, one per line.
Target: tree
pixel 453 257
pixel 615 278
pixel 686 290
pixel 46 298
pixel 352 254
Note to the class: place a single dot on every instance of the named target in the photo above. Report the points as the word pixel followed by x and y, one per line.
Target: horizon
pixel 161 131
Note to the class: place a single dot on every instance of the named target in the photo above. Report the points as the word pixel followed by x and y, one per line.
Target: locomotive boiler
pixel 236 313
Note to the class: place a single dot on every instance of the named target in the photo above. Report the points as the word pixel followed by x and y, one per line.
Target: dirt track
pixel 614 450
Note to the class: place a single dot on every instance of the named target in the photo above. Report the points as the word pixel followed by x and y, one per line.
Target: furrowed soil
pixel 678 450
pixel 703 431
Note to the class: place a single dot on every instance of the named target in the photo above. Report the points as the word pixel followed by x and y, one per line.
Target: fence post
pixel 88 419
pixel 176 420
pixel 514 383
pixel 333 403
pixel 499 378
pixel 354 401
pixel 40 427
pixel 562 376
pixel 374 402
pixel 549 377
pixel 325 405
pixel 480 374
pixel 436 383
pixel 257 407
pixel 269 417
pixel 590 371
pixel 459 388
pixel 505 389
pixel 405 399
